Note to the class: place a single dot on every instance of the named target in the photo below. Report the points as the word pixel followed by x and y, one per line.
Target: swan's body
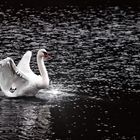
pixel 21 77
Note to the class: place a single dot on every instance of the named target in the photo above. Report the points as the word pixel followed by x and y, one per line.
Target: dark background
pixel 106 83
pixel 62 3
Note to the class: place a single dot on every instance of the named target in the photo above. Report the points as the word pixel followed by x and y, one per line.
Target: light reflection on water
pixel 24 119
pixel 55 92
pixel 94 73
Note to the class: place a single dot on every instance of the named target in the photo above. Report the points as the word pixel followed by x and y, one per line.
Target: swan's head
pixel 43 53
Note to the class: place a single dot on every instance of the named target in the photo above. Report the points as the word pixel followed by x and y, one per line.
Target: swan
pixel 20 80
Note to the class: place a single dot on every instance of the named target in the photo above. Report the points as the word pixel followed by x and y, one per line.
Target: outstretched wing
pixel 24 64
pixel 9 74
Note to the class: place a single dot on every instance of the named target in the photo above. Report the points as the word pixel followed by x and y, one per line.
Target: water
pixel 94 72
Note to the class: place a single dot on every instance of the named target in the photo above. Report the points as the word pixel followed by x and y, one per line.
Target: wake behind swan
pixel 21 79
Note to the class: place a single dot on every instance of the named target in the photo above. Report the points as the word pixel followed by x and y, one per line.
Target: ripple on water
pixel 96 63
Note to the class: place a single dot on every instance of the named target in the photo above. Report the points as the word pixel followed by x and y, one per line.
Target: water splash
pixel 56 91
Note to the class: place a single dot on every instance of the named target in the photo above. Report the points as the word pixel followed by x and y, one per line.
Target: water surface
pixel 94 72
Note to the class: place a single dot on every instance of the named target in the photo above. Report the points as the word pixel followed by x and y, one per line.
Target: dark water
pixel 94 72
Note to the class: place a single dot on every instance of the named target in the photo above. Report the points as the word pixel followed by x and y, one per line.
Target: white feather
pixel 21 77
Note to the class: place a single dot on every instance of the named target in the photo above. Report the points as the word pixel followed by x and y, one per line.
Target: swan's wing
pixel 9 74
pixel 24 64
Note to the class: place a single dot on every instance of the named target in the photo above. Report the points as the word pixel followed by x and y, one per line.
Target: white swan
pixel 21 78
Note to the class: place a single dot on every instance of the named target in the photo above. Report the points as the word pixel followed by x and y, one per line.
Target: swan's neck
pixel 42 70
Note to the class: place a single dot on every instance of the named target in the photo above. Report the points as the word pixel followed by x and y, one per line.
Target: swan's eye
pixel 45 54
